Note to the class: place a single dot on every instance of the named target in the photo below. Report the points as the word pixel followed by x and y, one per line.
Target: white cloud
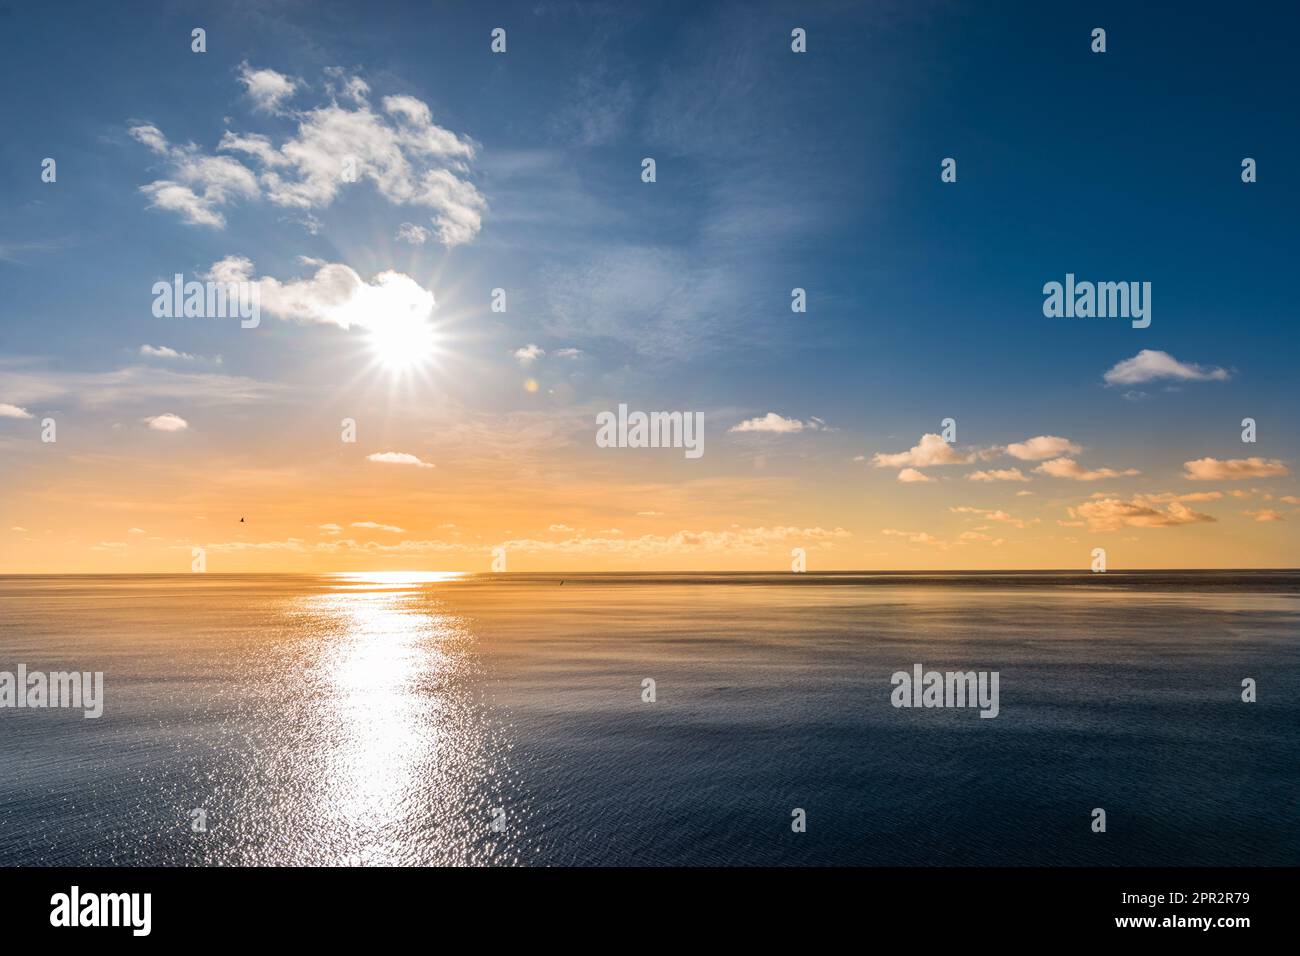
pixel 911 474
pixel 167 422
pixel 266 88
pixel 217 179
pixel 13 411
pixel 415 235
pixel 930 450
pixel 1234 469
pixel 410 160
pixel 335 295
pixel 1069 468
pixel 330 528
pixel 569 353
pixel 1042 446
pixel 163 351
pixel 398 458
pixel 775 424
pixel 1150 365
pixel 375 526
pixel 529 354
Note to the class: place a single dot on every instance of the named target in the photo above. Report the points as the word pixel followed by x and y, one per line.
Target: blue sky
pixel 774 170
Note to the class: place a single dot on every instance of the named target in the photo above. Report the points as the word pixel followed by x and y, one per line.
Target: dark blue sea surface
pixel 391 719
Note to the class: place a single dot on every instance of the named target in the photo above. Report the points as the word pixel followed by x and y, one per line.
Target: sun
pixel 403 342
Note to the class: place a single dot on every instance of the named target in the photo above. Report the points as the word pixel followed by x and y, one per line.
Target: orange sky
pixel 532 481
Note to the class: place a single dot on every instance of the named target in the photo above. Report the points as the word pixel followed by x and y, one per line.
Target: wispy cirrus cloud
pixel 752 540
pixel 1069 468
pixel 376 526
pixel 998 474
pixel 31 381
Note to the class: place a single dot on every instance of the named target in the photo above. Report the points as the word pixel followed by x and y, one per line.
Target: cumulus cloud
pixel 409 159
pixel 911 474
pixel 167 422
pixel 398 458
pixel 1112 514
pixel 1042 446
pixel 266 88
pixel 529 354
pixel 930 450
pixel 335 295
pixel 198 183
pixel 1150 365
pixel 773 423
pixel 13 411
pixel 1265 514
pixel 1069 468
pixel 1234 469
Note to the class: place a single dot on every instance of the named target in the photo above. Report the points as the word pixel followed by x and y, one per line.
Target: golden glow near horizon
pixel 425 454
pixel 444 500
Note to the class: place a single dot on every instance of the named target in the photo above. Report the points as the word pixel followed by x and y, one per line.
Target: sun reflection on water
pixel 402 746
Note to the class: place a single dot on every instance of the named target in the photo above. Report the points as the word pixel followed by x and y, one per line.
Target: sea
pixel 424 718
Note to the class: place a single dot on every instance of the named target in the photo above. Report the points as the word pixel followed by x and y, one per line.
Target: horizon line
pixel 560 573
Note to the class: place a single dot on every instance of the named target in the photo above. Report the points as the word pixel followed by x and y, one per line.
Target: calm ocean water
pixel 370 719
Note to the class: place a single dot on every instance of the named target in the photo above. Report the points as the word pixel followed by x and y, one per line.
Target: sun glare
pixel 402 343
